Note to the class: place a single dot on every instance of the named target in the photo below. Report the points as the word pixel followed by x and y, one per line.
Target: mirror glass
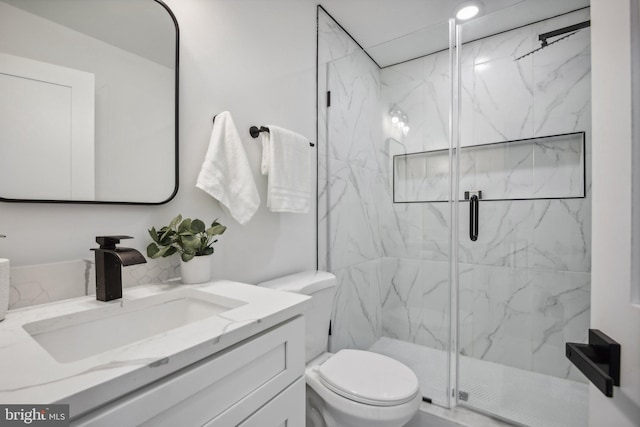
pixel 88 111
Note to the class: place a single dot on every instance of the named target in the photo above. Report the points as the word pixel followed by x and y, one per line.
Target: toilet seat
pixel 369 378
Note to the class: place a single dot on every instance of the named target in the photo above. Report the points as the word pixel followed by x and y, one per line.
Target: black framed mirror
pixel 89 112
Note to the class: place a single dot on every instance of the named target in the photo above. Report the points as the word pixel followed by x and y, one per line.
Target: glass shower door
pixel 416 224
pixel 524 280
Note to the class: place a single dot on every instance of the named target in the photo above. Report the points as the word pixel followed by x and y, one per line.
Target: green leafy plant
pixel 190 238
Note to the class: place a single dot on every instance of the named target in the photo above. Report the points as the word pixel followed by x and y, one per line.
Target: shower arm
pixel 571 28
pixel 569 31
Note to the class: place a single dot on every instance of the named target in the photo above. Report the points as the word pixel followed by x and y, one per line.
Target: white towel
pixel 225 173
pixel 286 158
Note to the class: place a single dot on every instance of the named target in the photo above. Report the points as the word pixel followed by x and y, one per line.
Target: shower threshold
pixel 524 397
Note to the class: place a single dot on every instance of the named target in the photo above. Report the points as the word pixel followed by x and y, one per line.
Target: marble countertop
pixel 30 375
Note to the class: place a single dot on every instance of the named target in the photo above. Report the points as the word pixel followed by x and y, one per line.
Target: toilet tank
pixel 321 287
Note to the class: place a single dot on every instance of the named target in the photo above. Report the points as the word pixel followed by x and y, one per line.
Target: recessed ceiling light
pixel 467 11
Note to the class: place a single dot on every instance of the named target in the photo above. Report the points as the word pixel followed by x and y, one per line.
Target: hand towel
pixel 4 287
pixel 225 174
pixel 286 159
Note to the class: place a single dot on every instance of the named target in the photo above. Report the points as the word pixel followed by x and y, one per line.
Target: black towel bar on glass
pixel 255 132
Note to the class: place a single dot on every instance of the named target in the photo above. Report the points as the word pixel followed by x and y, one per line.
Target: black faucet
pixel 108 262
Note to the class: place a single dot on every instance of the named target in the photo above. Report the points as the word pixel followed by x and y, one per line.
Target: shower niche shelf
pixel 546 167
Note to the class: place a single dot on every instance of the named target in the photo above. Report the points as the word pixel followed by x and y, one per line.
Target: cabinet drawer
pixel 285 410
pixel 226 386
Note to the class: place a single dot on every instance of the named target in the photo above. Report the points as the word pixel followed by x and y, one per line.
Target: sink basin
pixel 80 335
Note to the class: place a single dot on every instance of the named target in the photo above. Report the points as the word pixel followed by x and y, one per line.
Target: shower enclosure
pixel 454 208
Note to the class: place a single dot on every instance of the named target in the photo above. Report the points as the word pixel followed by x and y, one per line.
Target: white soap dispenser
pixel 4 286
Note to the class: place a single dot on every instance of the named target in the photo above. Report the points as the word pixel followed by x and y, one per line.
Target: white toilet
pixel 351 388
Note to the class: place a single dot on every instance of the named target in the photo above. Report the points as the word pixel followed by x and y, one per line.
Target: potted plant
pixel 192 240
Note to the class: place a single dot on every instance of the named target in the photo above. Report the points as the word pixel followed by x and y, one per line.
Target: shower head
pixel 572 29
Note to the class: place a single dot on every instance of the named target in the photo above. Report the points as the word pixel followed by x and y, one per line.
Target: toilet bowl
pixel 360 389
pixel 351 388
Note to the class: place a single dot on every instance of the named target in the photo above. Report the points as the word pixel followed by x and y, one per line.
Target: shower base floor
pixel 523 397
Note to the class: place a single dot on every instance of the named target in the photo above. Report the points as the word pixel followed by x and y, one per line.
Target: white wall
pixel 611 309
pixel 253 58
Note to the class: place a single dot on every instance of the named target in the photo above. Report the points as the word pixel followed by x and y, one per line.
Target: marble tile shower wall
pixel 525 283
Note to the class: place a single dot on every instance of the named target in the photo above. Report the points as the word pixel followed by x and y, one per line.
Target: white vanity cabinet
pixel 256 382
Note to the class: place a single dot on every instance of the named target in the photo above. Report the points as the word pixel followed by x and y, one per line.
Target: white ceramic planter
pixel 197 270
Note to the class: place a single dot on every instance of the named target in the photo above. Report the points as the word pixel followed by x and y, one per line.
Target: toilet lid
pixel 369 378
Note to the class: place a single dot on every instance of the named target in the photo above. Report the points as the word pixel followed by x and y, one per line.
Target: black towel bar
pixel 254 131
